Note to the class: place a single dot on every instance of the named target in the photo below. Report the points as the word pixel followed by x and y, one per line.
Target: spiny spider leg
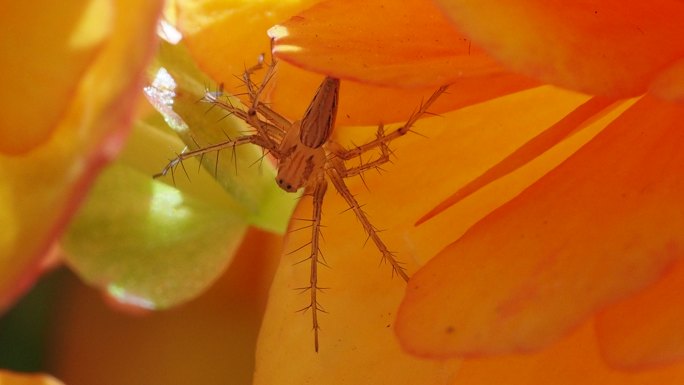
pixel 319 189
pixel 338 181
pixel 257 106
pixel 272 129
pixel 374 164
pixel 401 131
pixel 255 139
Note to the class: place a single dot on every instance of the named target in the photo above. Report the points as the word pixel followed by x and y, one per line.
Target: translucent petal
pixel 42 63
pixel 225 37
pixel 575 359
pixel 408 44
pixel 43 186
pixel 600 226
pixel 367 104
pixel 645 330
pixel 611 48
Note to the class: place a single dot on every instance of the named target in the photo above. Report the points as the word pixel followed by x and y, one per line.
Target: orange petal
pixel 570 124
pixel 357 345
pixel 227 57
pixel 407 44
pixel 646 329
pixel 575 359
pixel 603 224
pixel 366 104
pixel 36 93
pixel 43 186
pixel 603 47
pixel 225 37
pixel 669 84
pixel 9 378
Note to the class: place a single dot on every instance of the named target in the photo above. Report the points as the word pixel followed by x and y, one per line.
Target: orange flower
pixel 552 216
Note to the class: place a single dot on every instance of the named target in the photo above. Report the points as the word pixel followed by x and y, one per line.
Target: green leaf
pixel 243 172
pixel 150 244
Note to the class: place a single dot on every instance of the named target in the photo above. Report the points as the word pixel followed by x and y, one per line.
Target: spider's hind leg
pixel 315 257
pixel 387 256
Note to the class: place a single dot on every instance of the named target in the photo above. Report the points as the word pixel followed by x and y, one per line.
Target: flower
pixel 548 217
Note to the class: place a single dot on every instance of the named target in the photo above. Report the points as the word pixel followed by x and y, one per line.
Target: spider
pixel 307 158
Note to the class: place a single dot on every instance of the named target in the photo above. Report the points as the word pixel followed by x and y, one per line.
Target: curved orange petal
pixel 603 224
pixel 669 84
pixel 36 93
pixel 43 186
pixel 571 123
pixel 575 359
pixel 645 329
pixel 605 47
pixel 407 44
pixel 225 37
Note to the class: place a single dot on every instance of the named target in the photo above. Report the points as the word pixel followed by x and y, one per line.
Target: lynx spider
pixel 305 157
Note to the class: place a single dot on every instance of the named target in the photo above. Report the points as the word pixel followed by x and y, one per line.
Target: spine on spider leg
pixel 318 195
pixel 372 232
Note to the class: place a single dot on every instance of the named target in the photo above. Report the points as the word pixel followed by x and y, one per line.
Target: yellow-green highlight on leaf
pixel 244 173
pixel 150 244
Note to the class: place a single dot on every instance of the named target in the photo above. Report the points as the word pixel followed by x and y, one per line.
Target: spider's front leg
pixel 257 107
pixel 383 140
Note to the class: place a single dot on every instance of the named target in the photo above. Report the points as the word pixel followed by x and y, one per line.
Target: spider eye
pixel 289 187
pixel 280 181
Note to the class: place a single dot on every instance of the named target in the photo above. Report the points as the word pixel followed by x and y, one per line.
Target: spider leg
pixel 401 131
pixel 231 143
pixel 315 258
pixel 267 128
pixel 387 256
pixel 255 92
pixel 374 164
